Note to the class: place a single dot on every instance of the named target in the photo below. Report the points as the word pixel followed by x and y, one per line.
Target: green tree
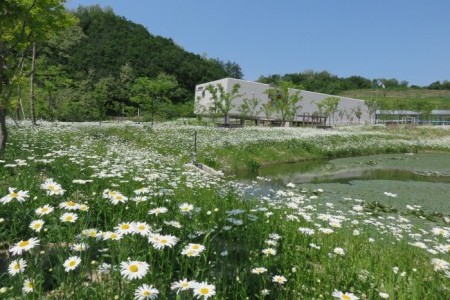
pixel 222 100
pixel 22 23
pixel 152 94
pixel 103 95
pixel 357 111
pixel 284 99
pixel 268 109
pixel 249 107
pixel 423 107
pixel 233 70
pixel 372 106
pixel 329 107
pixel 125 82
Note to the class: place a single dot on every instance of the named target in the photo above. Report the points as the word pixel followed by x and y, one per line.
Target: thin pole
pixel 195 141
pixel 194 154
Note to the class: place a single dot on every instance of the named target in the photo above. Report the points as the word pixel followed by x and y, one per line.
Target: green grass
pixel 234 229
pixel 439 99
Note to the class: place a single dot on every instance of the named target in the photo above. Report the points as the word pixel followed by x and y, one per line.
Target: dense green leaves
pixel 284 99
pixel 112 42
pixel 328 107
pixel 23 23
pixel 222 101
pixel 153 94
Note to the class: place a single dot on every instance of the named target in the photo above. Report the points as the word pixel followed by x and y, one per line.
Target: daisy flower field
pixel 116 212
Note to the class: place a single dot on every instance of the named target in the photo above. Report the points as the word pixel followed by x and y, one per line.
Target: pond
pixel 421 179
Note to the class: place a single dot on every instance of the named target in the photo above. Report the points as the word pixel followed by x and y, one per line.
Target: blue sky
pixel 403 39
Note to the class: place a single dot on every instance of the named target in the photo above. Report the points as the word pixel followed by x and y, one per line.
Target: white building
pixel 307 114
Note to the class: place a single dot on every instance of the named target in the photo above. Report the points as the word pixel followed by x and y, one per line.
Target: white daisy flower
pixel 134 269
pixel 279 279
pixel 17 266
pixel 37 225
pixel 71 263
pixel 145 291
pixel 182 285
pixel 204 290
pixel 24 245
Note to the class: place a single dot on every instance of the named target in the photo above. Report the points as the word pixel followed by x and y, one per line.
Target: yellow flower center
pixel 14 195
pixel 146 293
pixel 70 203
pixel 44 209
pixel 164 241
pixel 141 227
pixel 69 218
pixel 133 268
pixel 16 266
pixel 72 263
pixel 195 246
pixel 24 244
pixel 125 226
pixel 204 291
pixel 346 297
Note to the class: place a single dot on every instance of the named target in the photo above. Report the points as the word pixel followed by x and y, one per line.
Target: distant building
pixel 308 114
pixel 435 117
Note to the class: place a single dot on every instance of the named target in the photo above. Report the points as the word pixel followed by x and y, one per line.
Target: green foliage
pixel 284 100
pixel 437 85
pixel 221 100
pixel 23 22
pixel 324 82
pixel 153 94
pixel 112 41
pixel 328 107
pixel 268 109
pixel 86 71
pixel 249 106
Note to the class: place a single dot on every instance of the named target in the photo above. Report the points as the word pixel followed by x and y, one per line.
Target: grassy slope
pixel 339 143
pixel 439 98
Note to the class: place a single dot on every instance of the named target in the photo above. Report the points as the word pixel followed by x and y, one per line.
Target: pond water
pixel 421 179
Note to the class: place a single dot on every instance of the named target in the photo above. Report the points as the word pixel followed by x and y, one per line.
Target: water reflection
pixel 326 172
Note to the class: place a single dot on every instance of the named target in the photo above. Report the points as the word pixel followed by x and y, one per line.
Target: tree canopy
pixel 112 41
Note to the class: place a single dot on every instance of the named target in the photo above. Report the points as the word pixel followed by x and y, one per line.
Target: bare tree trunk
pixel 227 119
pixel 19 107
pixel 33 69
pixel 3 130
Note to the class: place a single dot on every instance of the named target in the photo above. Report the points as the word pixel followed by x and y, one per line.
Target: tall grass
pixel 315 247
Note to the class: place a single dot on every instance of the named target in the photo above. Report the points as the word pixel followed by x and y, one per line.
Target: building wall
pixel 250 89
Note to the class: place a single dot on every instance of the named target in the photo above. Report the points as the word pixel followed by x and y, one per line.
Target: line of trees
pixel 283 103
pixel 325 82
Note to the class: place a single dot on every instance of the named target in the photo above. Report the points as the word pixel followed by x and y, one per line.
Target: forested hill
pixel 111 41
